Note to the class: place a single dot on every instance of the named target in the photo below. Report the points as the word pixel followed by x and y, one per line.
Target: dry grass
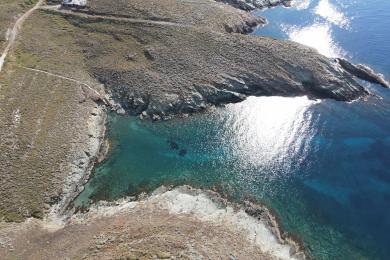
pixel 44 119
pixel 9 10
pixel 202 13
pixel 143 233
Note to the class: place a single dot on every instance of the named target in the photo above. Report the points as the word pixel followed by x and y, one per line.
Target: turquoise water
pixel 323 167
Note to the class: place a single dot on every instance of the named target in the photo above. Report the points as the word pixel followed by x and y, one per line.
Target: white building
pixel 74 3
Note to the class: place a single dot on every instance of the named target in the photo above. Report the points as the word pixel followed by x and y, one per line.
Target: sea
pixel 321 166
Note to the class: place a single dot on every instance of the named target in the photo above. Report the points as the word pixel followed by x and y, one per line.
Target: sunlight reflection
pixel 301 4
pixel 318 36
pixel 329 12
pixel 273 132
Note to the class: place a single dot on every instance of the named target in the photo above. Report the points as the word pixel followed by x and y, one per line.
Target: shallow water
pixel 322 166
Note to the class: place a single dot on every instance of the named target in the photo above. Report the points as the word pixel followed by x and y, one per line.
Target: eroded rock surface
pixel 363 72
pixel 178 65
pixel 187 70
pixel 182 223
pixel 249 5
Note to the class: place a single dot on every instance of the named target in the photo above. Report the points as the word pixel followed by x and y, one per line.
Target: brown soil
pixel 142 233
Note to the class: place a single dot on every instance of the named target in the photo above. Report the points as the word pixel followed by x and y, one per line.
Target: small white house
pixel 74 3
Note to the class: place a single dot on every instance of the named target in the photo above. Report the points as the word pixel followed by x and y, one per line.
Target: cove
pixel 327 180
pixel 321 166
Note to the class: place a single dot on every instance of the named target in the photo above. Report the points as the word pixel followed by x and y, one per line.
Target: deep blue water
pixel 323 167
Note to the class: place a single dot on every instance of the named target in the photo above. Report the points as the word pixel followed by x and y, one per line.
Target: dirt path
pixel 14 32
pixel 57 8
pixel 96 93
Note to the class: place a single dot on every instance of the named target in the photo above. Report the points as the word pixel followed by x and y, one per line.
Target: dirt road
pixel 14 32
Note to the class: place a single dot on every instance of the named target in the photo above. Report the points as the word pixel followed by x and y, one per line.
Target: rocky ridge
pixel 178 223
pixel 250 5
pixel 181 80
pixel 186 67
pixel 363 72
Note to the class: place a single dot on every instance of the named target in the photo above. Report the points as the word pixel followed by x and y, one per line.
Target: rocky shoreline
pixel 363 72
pixel 83 162
pixel 220 64
pixel 250 5
pixel 215 68
pixel 170 223
pixel 204 204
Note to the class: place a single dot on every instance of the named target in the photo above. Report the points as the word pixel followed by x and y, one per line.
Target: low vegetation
pixel 44 118
pixel 9 11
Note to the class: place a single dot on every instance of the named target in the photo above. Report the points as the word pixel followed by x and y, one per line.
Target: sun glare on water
pixel 271 132
pixel 318 35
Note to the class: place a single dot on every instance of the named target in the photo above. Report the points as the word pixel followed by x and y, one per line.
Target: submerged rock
pixel 173 145
pixel 182 152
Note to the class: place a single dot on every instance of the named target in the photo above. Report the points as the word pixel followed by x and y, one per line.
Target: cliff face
pixel 249 5
pixel 181 63
pixel 182 70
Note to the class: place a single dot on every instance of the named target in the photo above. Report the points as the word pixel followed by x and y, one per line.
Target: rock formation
pixel 363 72
pixel 249 5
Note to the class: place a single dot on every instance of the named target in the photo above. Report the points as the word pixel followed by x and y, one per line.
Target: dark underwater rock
pixel 182 152
pixel 173 145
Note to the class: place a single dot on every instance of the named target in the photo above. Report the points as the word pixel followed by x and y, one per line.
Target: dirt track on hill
pixel 14 32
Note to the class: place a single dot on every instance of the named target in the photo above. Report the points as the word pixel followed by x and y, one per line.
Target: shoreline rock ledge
pixel 363 72
pixel 181 63
pixel 200 68
pixel 250 5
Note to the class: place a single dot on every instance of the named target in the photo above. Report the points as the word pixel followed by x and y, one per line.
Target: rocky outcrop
pixel 182 66
pixel 178 223
pixel 250 5
pixel 363 72
pixel 187 70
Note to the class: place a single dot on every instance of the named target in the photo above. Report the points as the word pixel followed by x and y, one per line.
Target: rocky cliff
pixel 179 63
